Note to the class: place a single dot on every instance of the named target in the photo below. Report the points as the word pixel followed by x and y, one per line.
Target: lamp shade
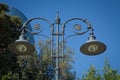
pixel 93 47
pixel 21 47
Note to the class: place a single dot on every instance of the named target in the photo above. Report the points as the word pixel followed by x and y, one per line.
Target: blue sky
pixel 104 15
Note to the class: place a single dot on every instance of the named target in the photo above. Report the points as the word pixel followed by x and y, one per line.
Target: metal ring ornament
pixel 77 28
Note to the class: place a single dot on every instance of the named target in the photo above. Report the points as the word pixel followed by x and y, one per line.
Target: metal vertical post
pixel 63 42
pixel 57 47
pixel 52 40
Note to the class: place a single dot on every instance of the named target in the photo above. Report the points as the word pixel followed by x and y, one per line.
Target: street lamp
pixel 91 47
pixel 21 46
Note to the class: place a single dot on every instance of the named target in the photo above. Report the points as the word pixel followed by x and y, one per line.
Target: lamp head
pixel 21 46
pixel 92 46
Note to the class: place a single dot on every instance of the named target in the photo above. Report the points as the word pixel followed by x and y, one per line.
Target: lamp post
pixel 91 47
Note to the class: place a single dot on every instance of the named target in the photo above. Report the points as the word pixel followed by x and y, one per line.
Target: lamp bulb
pixel 93 48
pixel 21 48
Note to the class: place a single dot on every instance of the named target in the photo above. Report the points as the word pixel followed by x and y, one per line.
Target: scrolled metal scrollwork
pixel 37 27
pixel 77 28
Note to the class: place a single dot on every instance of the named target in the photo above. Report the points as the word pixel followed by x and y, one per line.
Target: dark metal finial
pixel 57 21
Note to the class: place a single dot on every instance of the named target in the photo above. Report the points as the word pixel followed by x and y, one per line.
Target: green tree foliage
pixel 8 27
pixel 107 74
pixel 92 74
pixel 4 7
pixel 64 64
pixel 8 33
pixel 27 69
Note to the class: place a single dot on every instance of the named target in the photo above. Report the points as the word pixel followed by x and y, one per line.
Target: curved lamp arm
pixel 89 27
pixel 30 20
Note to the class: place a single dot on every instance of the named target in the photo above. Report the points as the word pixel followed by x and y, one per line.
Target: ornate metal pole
pixel 91 47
